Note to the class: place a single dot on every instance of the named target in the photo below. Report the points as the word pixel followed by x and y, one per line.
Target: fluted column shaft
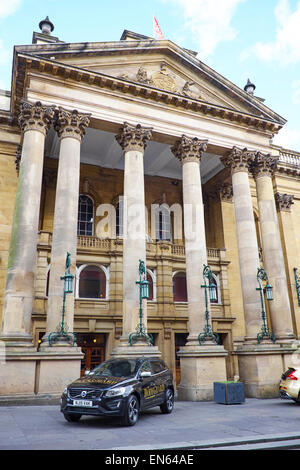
pixel 34 119
pixel 263 168
pixel 70 126
pixel 238 160
pixel 133 141
pixel 189 152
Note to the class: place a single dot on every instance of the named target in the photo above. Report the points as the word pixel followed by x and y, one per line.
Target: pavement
pixel 254 424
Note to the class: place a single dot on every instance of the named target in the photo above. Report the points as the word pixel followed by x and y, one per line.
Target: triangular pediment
pixel 156 64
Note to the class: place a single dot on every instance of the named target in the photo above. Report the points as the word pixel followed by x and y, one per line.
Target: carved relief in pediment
pixel 164 80
pixel 187 91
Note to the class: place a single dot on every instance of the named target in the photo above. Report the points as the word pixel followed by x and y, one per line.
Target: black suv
pixel 120 387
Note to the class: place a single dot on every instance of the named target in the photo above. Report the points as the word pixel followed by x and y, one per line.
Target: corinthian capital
pixel 188 149
pixel 284 201
pixel 132 137
pixel 71 123
pixel 263 165
pixel 238 159
pixel 35 116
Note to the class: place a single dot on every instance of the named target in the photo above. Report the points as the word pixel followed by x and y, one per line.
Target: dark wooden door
pixel 93 347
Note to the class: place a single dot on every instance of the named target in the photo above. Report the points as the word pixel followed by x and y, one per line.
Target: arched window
pixel 85 215
pixel 163 227
pixel 92 282
pixel 179 287
pixel 215 281
pixel 151 278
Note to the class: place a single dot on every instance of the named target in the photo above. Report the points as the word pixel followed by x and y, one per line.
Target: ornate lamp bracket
pixel 208 334
pixel 141 335
pixel 264 333
pixel 62 332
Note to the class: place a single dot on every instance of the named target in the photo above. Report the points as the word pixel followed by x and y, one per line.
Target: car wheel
pixel 72 417
pixel 131 411
pixel 168 405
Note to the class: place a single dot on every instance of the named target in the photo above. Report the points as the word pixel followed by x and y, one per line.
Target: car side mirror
pixel 146 374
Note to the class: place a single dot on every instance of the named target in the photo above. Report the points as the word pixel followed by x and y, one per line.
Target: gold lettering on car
pixel 150 392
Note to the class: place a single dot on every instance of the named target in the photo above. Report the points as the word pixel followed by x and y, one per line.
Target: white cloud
pixel 208 21
pixel 7 7
pixel 288 138
pixel 286 47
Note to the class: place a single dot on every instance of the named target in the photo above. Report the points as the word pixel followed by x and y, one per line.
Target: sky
pixel 240 39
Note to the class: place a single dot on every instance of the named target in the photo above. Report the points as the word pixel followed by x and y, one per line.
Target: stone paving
pixel 44 427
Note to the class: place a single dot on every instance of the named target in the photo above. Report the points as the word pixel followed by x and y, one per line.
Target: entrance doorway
pixel 93 347
pixel 180 340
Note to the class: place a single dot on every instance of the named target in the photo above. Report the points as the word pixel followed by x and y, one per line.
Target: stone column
pixel 238 160
pixel 133 140
pixel 70 126
pixel 263 169
pixel 34 120
pixel 189 152
pixel 257 362
pixel 290 250
pixel 203 364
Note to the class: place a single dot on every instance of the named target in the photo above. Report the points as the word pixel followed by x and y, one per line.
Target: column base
pixel 39 373
pixel 17 341
pixel 261 366
pixel 200 367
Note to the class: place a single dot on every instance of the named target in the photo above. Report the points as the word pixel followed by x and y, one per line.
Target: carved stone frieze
pixel 238 159
pixel 189 149
pixel 71 123
pixel 284 201
pixel 133 137
pixel 35 116
pixel 164 80
pixel 263 165
pixel 186 91
pixel 142 76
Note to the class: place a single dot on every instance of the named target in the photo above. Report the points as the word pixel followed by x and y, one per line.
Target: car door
pixel 159 380
pixel 148 397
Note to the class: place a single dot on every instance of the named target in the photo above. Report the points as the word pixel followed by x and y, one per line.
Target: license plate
pixel 82 403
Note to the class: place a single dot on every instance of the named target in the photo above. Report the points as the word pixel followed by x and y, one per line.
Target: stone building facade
pixel 134 150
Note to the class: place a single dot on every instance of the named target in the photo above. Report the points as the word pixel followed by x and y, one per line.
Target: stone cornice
pixel 146 45
pixel 29 63
pixel 133 137
pixel 189 149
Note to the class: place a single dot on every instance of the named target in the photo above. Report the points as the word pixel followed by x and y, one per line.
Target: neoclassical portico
pixel 144 122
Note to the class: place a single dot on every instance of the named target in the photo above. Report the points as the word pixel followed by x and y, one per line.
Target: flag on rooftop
pixel 156 29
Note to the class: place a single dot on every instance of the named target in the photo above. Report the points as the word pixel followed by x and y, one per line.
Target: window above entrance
pixel 92 282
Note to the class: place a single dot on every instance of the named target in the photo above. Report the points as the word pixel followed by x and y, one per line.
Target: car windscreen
pixel 116 368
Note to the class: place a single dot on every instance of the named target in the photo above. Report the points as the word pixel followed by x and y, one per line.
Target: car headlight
pixel 65 392
pixel 115 392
